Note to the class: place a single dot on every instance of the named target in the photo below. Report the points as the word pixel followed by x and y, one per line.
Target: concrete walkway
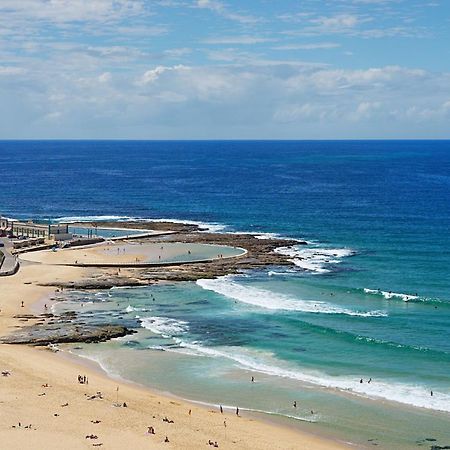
pixel 10 264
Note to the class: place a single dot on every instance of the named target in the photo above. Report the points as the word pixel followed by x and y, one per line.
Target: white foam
pixel 130 308
pixel 315 259
pixel 164 326
pixel 262 298
pixel 409 394
pixel 74 219
pixel 263 236
pixel 390 294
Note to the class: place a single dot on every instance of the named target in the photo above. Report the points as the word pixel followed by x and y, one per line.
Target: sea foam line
pixel 262 298
pixel 413 395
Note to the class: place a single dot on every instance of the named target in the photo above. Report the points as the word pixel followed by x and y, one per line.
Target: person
pixel 361 380
pixel 190 411
pixel 370 380
pixel 295 404
pixel 166 439
pixel 221 409
pixel 253 379
pixel 22 304
pixel 432 393
pixel 237 410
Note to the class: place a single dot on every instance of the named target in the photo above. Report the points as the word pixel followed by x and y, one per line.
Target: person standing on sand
pixel 221 409
pixel 237 410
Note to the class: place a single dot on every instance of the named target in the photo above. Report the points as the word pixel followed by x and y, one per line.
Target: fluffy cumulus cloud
pixel 278 100
pixel 128 69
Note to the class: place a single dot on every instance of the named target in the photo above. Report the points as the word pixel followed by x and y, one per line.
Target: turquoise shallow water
pixel 368 298
pixel 206 346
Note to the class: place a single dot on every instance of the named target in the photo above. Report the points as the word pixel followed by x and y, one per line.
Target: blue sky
pixel 213 69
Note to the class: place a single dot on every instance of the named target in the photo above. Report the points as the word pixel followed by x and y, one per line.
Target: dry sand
pixel 25 398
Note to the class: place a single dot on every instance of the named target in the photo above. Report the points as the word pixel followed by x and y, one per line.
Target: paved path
pixel 10 264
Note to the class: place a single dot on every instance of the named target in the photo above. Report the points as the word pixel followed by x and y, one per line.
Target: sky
pixel 224 69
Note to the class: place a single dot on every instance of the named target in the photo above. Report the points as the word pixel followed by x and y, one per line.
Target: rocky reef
pixel 260 254
pixel 65 328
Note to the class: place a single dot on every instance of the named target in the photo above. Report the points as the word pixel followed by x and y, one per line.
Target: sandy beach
pixel 42 404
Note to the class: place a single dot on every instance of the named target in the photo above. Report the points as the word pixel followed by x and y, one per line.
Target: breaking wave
pixel 164 326
pixel 262 298
pixel 315 259
pixel 409 394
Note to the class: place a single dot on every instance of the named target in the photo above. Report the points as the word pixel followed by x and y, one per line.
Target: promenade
pixel 10 265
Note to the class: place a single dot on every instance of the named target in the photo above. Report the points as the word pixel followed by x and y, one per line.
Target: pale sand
pixel 120 428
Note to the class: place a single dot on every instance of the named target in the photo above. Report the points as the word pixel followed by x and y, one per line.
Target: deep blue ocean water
pixel 377 216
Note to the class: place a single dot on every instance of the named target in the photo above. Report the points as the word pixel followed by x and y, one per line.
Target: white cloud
pixel 105 77
pixel 61 11
pixel 310 46
pixel 220 8
pixel 11 70
pixel 237 40
pixel 152 75
pixel 336 23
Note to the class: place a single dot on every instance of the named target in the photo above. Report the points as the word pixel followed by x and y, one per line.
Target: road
pixel 10 262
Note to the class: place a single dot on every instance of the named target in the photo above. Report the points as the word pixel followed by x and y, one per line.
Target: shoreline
pixel 29 366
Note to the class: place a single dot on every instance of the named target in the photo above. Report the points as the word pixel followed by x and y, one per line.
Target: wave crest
pixel 262 298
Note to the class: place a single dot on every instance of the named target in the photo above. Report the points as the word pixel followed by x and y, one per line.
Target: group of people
pixel 83 379
pixel 151 430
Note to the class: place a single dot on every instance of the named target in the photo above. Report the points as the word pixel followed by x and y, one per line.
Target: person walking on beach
pixel 221 409
pixel 237 410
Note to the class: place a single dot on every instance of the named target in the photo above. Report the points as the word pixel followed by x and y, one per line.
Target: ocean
pixel 357 332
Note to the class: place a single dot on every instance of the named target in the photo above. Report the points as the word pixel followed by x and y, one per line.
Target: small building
pixel 5 226
pixel 57 232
